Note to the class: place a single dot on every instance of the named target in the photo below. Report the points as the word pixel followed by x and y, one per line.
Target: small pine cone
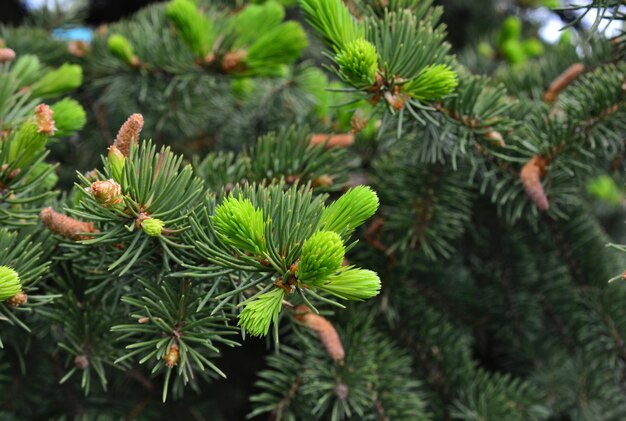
pixel 6 55
pixel 333 141
pixel 324 329
pixel 81 361
pixel 64 225
pixel 45 120
pixel 171 358
pixel 563 81
pixel 17 300
pixel 358 121
pixel 78 48
pixel 129 133
pixel 531 174
pixel 108 193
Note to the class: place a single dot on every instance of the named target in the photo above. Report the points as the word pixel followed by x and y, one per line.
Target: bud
pixel 433 83
pixel 342 391
pixel 325 331
pixel 78 48
pixel 81 361
pixel 495 137
pixel 116 163
pixel 171 358
pixel 353 284
pixel 17 300
pixel 530 175
pixel 152 226
pixel 358 62
pixel 121 47
pixel 358 121
pixel 6 55
pixel 129 133
pixel 108 193
pixel 66 226
pixel 10 283
pixel 323 181
pixel 322 255
pixel 54 82
pixel 45 120
pixel 233 61
pixel 350 210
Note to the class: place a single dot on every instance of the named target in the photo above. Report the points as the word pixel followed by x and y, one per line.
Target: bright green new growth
pixel 322 256
pixel 260 313
pixel 240 225
pixel 358 62
pixel 255 20
pixel 69 116
pixel 26 144
pixel 604 188
pixel 513 51
pixel 350 210
pixel 532 47
pixel 26 70
pixel 433 83
pixel 195 29
pixel 275 48
pixel 353 284
pixel 10 283
pixel 121 47
pixel 55 82
pixel 333 20
pixel 511 29
pixel 153 227
pixel 117 161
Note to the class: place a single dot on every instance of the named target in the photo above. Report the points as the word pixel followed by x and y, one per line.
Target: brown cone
pixel 129 133
pixel 64 225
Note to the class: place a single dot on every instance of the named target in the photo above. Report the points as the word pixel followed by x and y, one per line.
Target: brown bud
pixel 171 358
pixel 78 48
pixel 342 391
pixel 129 133
pixel 143 320
pixel 81 361
pixel 358 121
pixel 563 81
pixel 333 141
pixel 324 329
pixel 495 137
pixel 6 55
pixel 107 193
pixel 45 121
pixel 323 181
pixel 531 174
pixel 232 60
pixel 17 300
pixel 65 226
pixel 396 101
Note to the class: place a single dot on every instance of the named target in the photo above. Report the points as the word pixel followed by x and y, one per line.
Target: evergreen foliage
pixel 190 202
